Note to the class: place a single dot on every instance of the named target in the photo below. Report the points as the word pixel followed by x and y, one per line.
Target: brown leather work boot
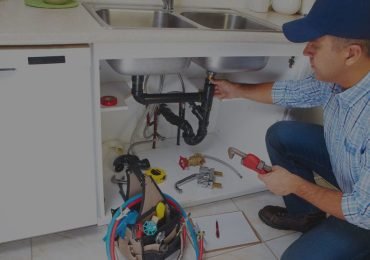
pixel 279 218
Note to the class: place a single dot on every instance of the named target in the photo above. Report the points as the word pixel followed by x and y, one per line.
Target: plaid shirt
pixel 347 135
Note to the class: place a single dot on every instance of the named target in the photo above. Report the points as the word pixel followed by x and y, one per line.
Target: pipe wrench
pixel 250 161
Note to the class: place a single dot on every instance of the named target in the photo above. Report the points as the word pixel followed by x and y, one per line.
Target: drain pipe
pixel 202 112
pixel 137 91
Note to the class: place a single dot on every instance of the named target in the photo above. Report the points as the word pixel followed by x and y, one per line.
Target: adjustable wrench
pixel 250 161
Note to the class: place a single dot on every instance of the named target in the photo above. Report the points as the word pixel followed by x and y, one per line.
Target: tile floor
pixel 87 244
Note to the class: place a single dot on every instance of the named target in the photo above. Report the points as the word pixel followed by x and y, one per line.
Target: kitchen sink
pixel 225 21
pixel 149 66
pixel 128 18
pixel 157 66
pixel 231 64
pixel 119 17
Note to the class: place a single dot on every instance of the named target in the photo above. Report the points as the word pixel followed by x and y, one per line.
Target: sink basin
pixel 231 64
pixel 149 66
pixel 225 21
pixel 116 17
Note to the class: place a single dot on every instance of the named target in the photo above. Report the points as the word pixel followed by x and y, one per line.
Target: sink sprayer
pixel 202 111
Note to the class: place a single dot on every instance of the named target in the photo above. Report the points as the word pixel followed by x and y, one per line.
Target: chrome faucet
pixel 168 5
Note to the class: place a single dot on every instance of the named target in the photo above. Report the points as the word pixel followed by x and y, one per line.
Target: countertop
pixel 24 25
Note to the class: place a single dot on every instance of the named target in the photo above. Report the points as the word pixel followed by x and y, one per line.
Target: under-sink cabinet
pixel 126 126
pixel 47 173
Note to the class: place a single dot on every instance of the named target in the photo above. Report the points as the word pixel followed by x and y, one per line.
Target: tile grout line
pixel 250 223
pixel 287 234
pixel 262 241
pixel 272 251
pixel 265 242
pixel 258 235
pixel 240 247
pixel 31 244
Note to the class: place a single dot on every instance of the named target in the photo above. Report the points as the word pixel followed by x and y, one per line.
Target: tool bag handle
pixel 137 183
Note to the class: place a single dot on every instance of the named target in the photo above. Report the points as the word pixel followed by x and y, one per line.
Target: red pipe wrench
pixel 250 161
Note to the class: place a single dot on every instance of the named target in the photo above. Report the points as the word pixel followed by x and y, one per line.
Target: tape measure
pixel 158 175
pixel 108 101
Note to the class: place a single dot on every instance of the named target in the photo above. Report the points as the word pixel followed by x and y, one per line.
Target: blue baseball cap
pixel 342 18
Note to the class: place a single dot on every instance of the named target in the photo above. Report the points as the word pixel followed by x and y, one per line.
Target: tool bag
pixel 138 243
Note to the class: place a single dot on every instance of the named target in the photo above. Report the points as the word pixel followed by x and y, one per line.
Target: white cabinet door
pixel 47 173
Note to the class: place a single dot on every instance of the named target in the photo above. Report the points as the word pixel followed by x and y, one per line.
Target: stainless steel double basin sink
pixel 118 16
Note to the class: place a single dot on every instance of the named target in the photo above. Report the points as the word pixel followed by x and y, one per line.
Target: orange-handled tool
pixel 250 161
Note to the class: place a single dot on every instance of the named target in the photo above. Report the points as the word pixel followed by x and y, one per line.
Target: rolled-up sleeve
pixel 356 205
pixel 308 92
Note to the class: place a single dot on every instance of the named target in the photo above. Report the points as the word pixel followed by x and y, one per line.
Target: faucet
pixel 168 5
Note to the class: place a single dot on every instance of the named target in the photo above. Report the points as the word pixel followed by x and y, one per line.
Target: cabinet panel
pixel 47 173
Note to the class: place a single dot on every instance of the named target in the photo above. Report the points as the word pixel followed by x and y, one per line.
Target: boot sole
pixel 268 223
pixel 302 230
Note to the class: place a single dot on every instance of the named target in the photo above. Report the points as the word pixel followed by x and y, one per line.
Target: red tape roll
pixel 108 101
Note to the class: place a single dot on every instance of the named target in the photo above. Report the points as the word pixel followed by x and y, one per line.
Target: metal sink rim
pixel 230 12
pixel 91 7
pixel 231 64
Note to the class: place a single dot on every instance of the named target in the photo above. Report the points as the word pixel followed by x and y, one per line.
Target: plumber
pixel 335 223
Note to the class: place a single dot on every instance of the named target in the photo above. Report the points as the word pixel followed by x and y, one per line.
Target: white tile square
pixel 19 250
pixel 251 204
pixel 256 252
pixel 224 251
pixel 279 245
pixel 214 208
pixel 234 230
pixel 189 253
pixel 79 244
pixel 87 243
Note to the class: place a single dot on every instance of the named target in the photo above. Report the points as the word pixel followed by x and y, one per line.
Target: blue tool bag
pixel 149 225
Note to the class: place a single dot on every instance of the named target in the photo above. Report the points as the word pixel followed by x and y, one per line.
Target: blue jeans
pixel 301 149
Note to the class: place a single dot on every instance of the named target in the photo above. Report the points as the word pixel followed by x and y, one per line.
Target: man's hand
pixel 258 92
pixel 280 181
pixel 226 89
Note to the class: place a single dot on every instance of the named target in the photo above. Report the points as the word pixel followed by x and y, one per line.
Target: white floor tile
pixel 213 208
pixel 79 244
pixel 222 252
pixel 86 243
pixel 251 204
pixel 19 250
pixel 255 252
pixel 189 253
pixel 279 245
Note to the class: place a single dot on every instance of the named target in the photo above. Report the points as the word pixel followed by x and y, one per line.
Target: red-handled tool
pixel 250 161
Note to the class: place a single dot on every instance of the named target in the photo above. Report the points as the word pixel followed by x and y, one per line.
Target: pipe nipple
pixel 210 75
